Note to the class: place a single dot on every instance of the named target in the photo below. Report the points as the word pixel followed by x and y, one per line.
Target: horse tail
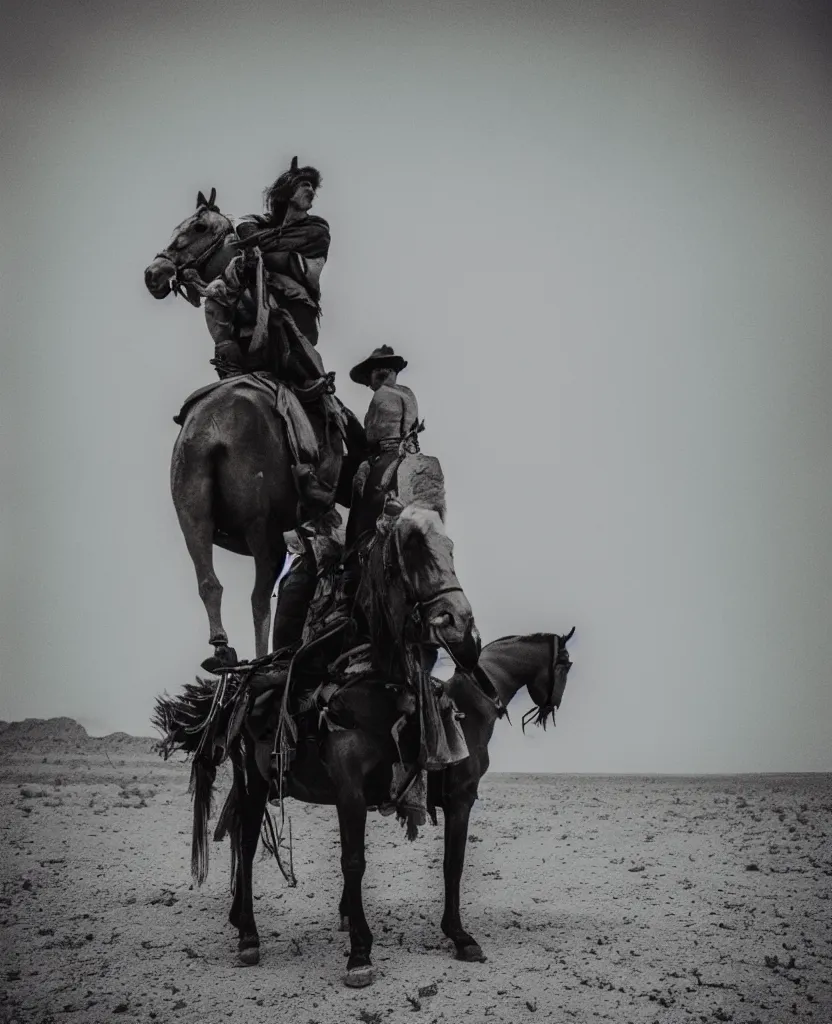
pixel 194 722
pixel 203 774
pixel 230 821
pixel 179 718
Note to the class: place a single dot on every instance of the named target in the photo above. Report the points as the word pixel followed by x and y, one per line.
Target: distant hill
pixel 65 732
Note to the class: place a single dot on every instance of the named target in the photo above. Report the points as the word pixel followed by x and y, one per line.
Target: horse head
pixel 414 587
pixel 546 685
pixel 193 243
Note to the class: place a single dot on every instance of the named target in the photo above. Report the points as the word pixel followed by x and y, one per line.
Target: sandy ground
pixel 594 898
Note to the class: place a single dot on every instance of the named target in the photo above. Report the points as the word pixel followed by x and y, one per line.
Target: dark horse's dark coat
pixel 349 763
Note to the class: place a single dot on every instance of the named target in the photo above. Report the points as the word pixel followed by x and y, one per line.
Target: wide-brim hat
pixel 382 358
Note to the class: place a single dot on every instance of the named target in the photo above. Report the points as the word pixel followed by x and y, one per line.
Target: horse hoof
pixel 344 926
pixel 223 657
pixel 471 954
pixel 249 957
pixel 360 977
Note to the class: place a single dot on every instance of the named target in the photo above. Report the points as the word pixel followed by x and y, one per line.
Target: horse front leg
pixel 348 763
pixel 344 912
pixel 457 812
pixel 245 835
pixel 352 820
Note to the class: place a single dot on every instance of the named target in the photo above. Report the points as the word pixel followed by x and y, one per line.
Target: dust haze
pixel 601 237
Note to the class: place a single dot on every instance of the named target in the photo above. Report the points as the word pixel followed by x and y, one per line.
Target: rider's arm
pixel 410 409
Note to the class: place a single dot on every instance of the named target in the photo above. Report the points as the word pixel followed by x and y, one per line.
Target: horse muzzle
pixel 158 277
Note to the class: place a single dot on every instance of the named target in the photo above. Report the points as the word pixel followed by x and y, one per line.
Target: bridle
pixel 193 262
pixel 415 616
pixel 418 605
pixel 542 712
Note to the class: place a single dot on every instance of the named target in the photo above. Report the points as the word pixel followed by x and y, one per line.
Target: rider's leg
pixel 297 589
pixel 228 358
pixel 305 317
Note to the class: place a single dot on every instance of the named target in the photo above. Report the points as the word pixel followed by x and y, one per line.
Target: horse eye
pixel 200 227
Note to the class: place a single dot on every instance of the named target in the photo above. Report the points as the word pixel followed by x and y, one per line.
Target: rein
pixel 482 679
pixel 418 604
pixel 193 262
pixel 478 674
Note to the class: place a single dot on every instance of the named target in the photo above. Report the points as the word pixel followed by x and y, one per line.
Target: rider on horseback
pixel 263 312
pixel 391 424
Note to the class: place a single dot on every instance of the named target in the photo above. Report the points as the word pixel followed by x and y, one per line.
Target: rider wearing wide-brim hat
pixel 391 424
pixel 393 414
pixel 382 358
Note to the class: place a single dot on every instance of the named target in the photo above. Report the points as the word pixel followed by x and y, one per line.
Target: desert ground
pixel 626 899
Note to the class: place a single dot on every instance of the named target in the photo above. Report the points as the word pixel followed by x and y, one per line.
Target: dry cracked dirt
pixel 659 899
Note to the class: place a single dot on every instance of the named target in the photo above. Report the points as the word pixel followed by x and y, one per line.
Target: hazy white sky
pixel 602 240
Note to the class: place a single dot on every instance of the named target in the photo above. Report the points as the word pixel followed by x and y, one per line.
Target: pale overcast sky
pixel 601 238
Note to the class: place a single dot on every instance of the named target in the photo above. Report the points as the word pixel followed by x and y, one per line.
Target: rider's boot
pixel 228 357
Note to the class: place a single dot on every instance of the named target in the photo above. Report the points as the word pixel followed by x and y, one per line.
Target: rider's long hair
pixel 276 197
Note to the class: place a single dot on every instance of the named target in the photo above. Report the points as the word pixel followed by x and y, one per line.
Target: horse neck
pixel 380 600
pixel 508 670
pixel 216 263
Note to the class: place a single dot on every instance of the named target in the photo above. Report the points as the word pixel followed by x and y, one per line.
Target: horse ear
pixel 200 200
pixel 294 166
pixel 211 204
pixel 568 636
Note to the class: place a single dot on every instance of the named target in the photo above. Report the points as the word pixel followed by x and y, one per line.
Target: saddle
pixel 287 403
pixel 302 440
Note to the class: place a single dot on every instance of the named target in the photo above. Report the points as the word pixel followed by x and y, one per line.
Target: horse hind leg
pixel 193 508
pixel 350 757
pixel 253 791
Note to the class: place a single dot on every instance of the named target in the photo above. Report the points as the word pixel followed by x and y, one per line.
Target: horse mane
pixel 382 582
pixel 520 636
pixel 385 616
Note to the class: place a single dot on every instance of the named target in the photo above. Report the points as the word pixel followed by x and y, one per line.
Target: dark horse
pixel 231 470
pixel 351 766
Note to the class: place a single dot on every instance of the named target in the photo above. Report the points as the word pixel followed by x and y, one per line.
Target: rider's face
pixel 380 377
pixel 303 196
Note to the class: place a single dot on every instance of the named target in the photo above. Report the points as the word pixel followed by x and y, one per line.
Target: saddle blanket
pixel 302 438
